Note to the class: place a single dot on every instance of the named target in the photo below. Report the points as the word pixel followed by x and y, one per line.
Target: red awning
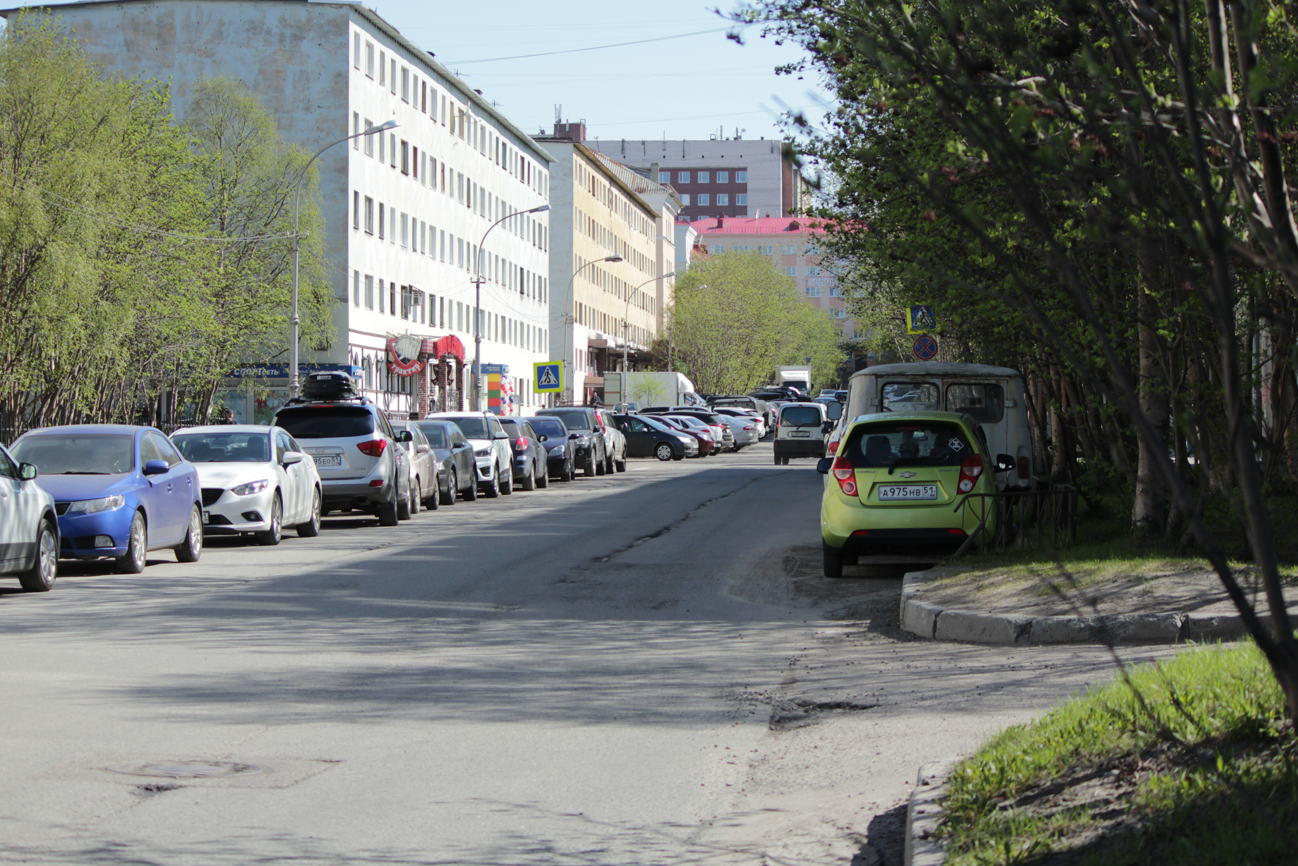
pixel 448 345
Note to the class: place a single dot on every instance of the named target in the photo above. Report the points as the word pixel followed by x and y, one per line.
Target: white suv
pixel 492 452
pixel 29 530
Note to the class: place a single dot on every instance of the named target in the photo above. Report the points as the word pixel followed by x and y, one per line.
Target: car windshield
pixel 574 420
pixel 799 416
pixel 656 424
pixel 78 453
pixel 224 447
pixel 326 422
pixel 472 428
pixel 908 443
pixel 436 435
pixel 550 428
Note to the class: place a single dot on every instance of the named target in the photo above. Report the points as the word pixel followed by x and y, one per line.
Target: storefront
pixel 254 393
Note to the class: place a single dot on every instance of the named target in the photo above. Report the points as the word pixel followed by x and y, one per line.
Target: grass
pixel 1205 770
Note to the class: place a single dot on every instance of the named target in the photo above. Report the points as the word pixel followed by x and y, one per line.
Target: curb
pixel 924 815
pixel 931 621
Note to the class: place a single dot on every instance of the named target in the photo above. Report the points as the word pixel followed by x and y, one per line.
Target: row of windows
pixel 703 177
pixel 424 97
pixel 615 285
pixel 413 305
pixel 704 199
pixel 610 324
pixel 813 292
pixel 419 237
pixel 605 194
pixel 769 250
pixel 608 239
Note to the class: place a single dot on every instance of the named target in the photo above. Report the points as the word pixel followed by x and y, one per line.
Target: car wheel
pixel 588 468
pixel 620 465
pixel 452 488
pixel 778 459
pixel 493 489
pixel 569 470
pixel 191 548
pixel 601 466
pixel 311 528
pixel 272 536
pixel 416 496
pixel 506 485
pixel 432 502
pixel 40 577
pixel 608 465
pixel 663 451
pixel 471 492
pixel 543 480
pixel 388 511
pixel 137 547
pixel 529 480
pixel 833 560
pixel 403 506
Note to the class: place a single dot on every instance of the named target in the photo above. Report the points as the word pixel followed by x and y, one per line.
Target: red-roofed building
pixel 790 243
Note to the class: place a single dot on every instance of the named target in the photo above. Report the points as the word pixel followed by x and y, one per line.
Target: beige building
pixel 602 311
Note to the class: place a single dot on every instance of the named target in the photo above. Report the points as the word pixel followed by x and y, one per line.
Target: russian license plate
pixel 329 460
pixel 805 433
pixel 207 517
pixel 907 492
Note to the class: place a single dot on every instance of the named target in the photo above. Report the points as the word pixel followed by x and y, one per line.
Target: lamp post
pixel 569 305
pixel 293 384
pixel 626 314
pixel 671 329
pixel 478 280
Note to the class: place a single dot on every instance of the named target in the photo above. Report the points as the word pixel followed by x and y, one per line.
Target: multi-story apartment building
pixel 405 211
pixel 601 309
pixel 731 177
pixel 790 243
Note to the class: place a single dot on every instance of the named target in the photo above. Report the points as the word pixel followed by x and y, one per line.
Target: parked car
pixel 751 415
pixel 119 492
pixel 747 429
pixel 800 431
pixel 649 437
pixel 453 455
pixel 491 450
pixel 560 446
pixel 725 440
pixel 896 482
pixel 29 527
pixel 530 457
pixel 704 442
pixel 589 438
pixel 421 465
pixel 354 449
pixel 255 480
pixel 614 442
pixel 746 402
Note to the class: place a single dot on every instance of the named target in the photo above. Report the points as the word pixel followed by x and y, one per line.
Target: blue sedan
pixel 119 491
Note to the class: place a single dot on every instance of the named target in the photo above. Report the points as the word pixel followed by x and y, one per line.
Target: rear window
pixel 436 434
pixel 472 428
pixel 511 427
pixel 907 443
pixel 573 420
pixel 800 416
pixel 985 401
pixel 911 397
pixel 549 427
pixel 326 422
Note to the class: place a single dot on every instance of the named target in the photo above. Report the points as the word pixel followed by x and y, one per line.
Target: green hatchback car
pixel 897 483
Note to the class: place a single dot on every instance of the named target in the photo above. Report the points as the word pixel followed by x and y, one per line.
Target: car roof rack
pixel 315 401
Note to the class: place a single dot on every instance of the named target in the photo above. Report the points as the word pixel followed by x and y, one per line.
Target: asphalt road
pixel 645 668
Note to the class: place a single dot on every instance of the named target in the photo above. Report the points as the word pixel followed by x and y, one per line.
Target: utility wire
pixel 590 48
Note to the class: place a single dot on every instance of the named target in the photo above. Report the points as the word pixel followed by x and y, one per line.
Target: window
pixel 791 271
pixel 703 176
pixel 664 177
pixel 813 292
pixel 369 215
pixel 683 177
pixel 356 288
pixel 392 79
pixel 356 210
pixel 442 256
pixel 405 231
pixel 743 248
pixel 379 136
pixel 356 130
pixel 392 148
pixel 723 177
pixel 704 199
pixel 835 293
pixel 369 59
pixel 423 97
pixel 723 198
pixel 405 84
pixel 685 199
pixel 383 64
pixel 839 313
pixel 813 271
pixel 741 177
pixel 741 198
pixel 356 50
pixel 789 250
pixel 405 156
pixel 369 292
pixel 718 249
pixel 380 221
pixel 766 249
pixel 369 140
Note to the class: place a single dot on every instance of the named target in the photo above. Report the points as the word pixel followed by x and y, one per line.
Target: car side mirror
pixel 421 448
pixel 405 436
pixel 826 427
pixel 501 435
pixel 156 467
pixel 574 436
pixel 834 411
pixel 824 464
pixel 27 471
pixel 291 457
pixel 1004 463
pixel 540 438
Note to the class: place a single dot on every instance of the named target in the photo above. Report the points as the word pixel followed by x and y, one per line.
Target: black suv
pixel 586 433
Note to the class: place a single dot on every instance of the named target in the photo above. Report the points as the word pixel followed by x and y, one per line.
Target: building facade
pixel 405 211
pixel 602 311
pixel 729 177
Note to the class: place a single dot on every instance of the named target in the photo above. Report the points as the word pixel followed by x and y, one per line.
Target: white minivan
pixel 993 396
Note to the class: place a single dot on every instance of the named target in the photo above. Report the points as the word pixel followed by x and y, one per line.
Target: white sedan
pixel 256 480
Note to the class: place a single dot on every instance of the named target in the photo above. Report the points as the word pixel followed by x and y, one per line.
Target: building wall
pixel 301 60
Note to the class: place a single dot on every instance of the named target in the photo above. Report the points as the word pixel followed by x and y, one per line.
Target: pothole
pixel 187 769
pixel 153 789
pixel 788 715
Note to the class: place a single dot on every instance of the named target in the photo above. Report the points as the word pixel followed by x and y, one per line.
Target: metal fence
pixel 9 434
pixel 1023 518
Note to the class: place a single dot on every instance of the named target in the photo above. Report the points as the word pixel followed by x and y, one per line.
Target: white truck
pixel 797 377
pixel 637 390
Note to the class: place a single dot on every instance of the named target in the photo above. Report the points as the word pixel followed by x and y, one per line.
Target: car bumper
pixel 847 523
pixel 800 447
pixel 746 437
pixel 81 535
pixel 234 514
pixel 343 494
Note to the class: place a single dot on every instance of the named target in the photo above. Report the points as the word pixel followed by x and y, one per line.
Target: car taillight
pixel 750 427
pixel 522 443
pixel 845 475
pixel 831 449
pixel 970 469
pixel 373 447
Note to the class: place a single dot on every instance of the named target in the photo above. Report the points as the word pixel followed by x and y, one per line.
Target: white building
pixel 405 212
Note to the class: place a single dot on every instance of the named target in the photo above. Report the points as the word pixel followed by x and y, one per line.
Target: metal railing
pixel 1024 518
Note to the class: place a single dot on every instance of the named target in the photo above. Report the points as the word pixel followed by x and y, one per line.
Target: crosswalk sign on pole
pixel 921 320
pixel 548 378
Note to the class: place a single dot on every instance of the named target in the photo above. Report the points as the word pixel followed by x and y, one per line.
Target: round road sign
pixel 925 347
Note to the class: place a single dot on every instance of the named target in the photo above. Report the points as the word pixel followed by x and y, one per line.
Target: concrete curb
pixel 932 621
pixel 924 815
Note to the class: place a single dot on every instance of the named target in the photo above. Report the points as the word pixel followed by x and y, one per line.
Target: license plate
pixel 806 433
pixel 329 460
pixel 907 492
pixel 207 517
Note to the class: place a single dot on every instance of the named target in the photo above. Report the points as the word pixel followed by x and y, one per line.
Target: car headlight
pixel 250 488
pixel 94 506
pixel 485 452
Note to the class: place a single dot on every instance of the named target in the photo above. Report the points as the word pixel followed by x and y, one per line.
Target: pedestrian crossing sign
pixel 548 378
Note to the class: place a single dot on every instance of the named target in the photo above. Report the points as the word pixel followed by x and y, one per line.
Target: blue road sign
pixel 921 320
pixel 925 347
pixel 548 378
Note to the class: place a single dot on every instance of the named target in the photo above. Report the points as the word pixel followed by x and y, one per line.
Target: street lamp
pixel 626 326
pixel 569 305
pixel 478 280
pixel 293 384
pixel 671 328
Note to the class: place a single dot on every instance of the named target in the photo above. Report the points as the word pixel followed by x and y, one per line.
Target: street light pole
pixel 569 306
pixel 626 314
pixel 294 386
pixel 478 280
